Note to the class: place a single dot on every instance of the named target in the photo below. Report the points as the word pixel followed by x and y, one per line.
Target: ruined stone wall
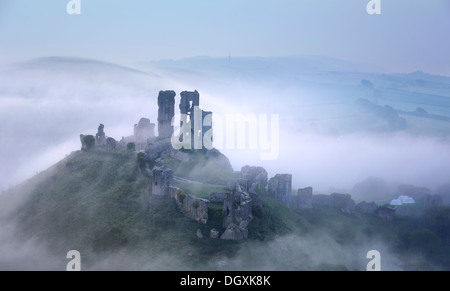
pixel 281 187
pixel 339 201
pixel 303 199
pixel 367 208
pixel 99 140
pixel 166 112
pixel 191 206
pixel 254 175
pixel 188 101
pixel 237 207
pixel 162 181
pixel 100 137
pixel 144 130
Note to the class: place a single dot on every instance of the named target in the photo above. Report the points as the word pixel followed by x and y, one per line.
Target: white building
pixel 402 200
pixel 396 202
pixel 407 200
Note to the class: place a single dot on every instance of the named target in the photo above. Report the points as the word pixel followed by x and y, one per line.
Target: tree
pixel 424 240
pixel 131 146
pixel 438 219
pixel 141 160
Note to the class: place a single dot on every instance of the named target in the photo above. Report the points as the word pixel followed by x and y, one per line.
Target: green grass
pixel 199 190
pixel 355 228
pixel 275 219
pixel 92 186
pixel 214 170
pixel 97 202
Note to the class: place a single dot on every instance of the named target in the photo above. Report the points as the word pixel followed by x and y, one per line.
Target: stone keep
pixel 281 187
pixel 189 100
pixel 100 137
pixel 144 130
pixel 162 181
pixel 198 121
pixel 166 112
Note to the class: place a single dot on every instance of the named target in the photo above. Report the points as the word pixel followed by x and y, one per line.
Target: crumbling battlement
pixel 166 112
pixel 280 187
pixel 100 137
pixel 303 199
pixel 254 175
pixel 189 100
pixel 237 207
pixel 144 130
pixel 100 140
pixel 191 206
pixel 162 181
pixel 194 122
pixel 339 201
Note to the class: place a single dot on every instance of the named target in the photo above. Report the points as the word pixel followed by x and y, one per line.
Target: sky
pixel 409 35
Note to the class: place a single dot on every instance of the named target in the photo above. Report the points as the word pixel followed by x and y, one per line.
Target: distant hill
pixel 57 96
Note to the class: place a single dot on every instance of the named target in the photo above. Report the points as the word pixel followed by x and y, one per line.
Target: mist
pixel 325 140
pixel 45 107
pixel 316 250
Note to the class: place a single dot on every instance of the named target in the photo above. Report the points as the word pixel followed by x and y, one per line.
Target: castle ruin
pixel 100 137
pixel 144 130
pixel 162 181
pixel 281 187
pixel 166 112
pixel 196 121
pixel 241 199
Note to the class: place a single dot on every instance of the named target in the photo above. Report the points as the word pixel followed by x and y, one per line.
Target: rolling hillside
pixel 98 203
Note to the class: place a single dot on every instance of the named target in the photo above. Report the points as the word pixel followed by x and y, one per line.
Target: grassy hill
pixel 97 202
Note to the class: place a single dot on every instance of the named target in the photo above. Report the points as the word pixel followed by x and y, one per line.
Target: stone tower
pixel 189 101
pixel 100 137
pixel 166 112
pixel 281 187
pixel 162 181
pixel 144 130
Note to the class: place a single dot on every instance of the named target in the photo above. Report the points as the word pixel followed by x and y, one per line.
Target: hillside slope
pixel 97 202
